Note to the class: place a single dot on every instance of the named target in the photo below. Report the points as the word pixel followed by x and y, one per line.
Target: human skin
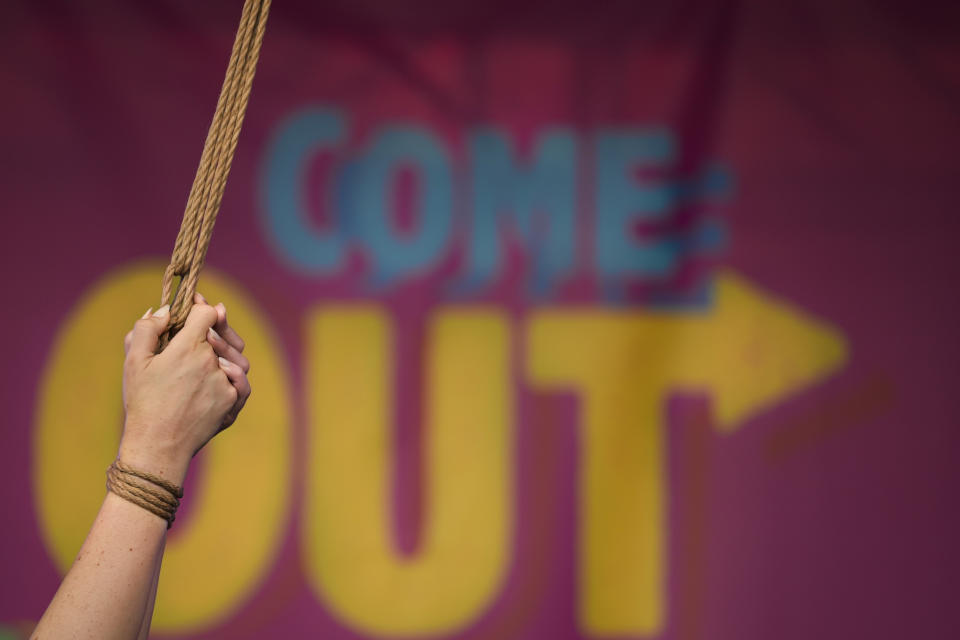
pixel 174 403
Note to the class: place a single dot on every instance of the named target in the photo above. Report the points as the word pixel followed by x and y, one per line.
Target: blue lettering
pixel 368 196
pixel 297 243
pixel 622 199
pixel 539 199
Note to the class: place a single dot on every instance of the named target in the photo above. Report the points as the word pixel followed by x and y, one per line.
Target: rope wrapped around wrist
pixel 158 496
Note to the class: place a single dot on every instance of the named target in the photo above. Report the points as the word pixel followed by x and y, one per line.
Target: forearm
pixel 175 402
pixel 152 598
pixel 106 593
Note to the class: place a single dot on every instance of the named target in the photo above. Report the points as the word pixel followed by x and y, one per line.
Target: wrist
pixel 157 460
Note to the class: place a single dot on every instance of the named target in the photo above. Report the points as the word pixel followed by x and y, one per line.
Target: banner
pixel 565 321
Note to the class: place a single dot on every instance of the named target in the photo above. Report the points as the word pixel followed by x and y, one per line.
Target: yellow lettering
pixel 746 351
pixel 468 452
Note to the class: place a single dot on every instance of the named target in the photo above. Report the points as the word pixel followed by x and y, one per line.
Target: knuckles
pixel 230 396
pixel 205 314
pixel 208 361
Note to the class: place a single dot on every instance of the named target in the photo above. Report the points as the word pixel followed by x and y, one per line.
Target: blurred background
pixel 567 319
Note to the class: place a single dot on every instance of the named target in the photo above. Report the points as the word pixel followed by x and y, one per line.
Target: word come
pixel 465 199
pixel 745 352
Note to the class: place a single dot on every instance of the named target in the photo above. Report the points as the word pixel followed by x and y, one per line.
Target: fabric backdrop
pixel 567 319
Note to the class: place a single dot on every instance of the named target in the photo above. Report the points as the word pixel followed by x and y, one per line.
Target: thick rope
pixel 190 250
pixel 150 492
pixel 174 490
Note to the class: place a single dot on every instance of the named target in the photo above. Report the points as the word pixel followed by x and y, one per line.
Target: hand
pixel 178 400
pixel 228 345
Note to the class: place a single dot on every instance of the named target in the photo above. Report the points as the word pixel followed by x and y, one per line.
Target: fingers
pixel 226 350
pixel 225 330
pixel 199 320
pixel 238 378
pixel 142 341
pixel 228 346
pixel 221 327
pixel 128 339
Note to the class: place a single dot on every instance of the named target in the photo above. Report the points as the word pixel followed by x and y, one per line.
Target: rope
pixel 145 490
pixel 190 250
pixel 174 490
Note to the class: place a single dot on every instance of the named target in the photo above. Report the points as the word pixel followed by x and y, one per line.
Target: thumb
pixel 146 333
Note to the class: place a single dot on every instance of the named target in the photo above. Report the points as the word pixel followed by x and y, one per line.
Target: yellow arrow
pixel 750 350
pixel 746 352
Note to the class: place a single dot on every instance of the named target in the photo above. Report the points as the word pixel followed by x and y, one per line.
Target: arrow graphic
pixel 746 352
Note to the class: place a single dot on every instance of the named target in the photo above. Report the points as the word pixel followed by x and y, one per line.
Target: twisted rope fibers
pixel 150 492
pixel 203 203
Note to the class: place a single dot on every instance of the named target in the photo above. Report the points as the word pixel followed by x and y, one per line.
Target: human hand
pixel 228 345
pixel 176 401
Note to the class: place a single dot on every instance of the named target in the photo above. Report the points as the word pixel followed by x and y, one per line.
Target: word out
pixel 745 352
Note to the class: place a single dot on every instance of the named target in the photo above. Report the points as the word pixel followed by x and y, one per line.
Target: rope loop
pixel 206 194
